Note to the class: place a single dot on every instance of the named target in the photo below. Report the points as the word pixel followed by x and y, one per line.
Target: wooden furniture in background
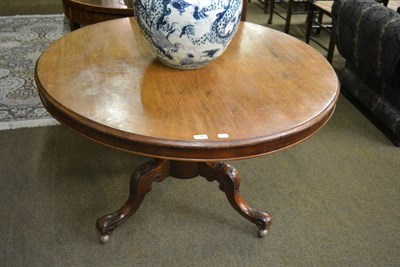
pixel 394 5
pixel 265 4
pixel 314 18
pixel 86 12
pixel 291 6
pixel 259 97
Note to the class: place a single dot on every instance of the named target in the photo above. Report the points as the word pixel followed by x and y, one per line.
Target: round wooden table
pixel 267 92
pixel 86 12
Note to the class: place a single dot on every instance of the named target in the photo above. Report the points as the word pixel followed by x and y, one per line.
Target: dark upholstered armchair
pixel 368 37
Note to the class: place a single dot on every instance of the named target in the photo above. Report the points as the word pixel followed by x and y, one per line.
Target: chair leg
pixel 289 16
pixel 309 23
pixel 266 6
pixel 271 10
pixel 320 18
pixel 331 47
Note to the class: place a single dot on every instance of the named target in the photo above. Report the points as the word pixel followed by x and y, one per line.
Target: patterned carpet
pixel 22 40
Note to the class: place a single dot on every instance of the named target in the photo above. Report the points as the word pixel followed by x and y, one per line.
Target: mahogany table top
pixel 268 91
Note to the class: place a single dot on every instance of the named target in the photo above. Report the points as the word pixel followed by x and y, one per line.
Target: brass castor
pixel 262 233
pixel 104 238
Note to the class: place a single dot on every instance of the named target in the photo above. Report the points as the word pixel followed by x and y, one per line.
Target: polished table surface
pixel 267 92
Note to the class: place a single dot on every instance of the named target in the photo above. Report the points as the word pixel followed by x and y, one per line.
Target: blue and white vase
pixel 188 34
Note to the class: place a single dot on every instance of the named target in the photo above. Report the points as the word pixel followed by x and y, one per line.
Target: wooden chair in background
pixel 314 20
pixel 292 9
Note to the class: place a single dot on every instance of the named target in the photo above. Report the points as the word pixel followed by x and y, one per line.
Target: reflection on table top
pixel 266 92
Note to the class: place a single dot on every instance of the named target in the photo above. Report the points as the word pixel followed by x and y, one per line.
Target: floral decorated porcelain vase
pixel 188 34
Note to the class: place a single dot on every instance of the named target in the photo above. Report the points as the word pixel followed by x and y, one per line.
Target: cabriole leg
pixel 140 184
pixel 229 182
